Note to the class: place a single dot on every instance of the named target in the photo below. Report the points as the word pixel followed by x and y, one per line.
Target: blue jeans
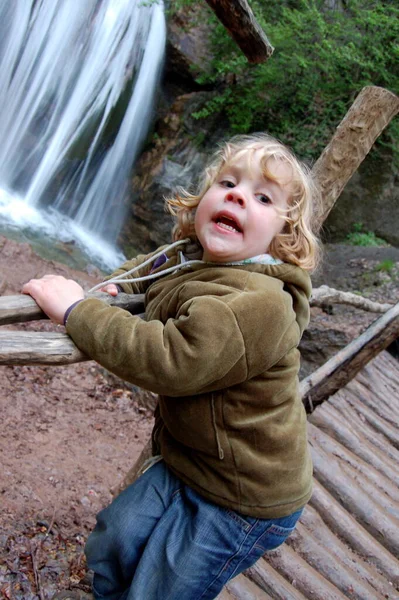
pixel 160 540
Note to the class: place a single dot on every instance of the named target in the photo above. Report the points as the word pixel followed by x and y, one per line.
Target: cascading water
pixel 76 89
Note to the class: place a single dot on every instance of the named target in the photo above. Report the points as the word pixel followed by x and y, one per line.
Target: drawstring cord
pixel 122 277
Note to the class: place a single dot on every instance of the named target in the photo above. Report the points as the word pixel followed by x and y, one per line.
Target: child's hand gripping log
pixel 55 294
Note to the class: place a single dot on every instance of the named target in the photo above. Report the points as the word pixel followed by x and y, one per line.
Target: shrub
pixel 323 57
pixel 359 237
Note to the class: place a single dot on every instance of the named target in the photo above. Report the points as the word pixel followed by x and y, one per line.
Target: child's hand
pixel 110 288
pixel 54 294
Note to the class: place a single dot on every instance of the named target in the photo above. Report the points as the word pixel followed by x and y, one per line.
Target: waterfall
pixel 76 92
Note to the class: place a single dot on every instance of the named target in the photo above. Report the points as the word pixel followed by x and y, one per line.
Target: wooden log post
pixel 312 528
pixel 344 424
pixel 239 20
pixel 330 472
pixel 290 565
pixel 385 491
pixel 242 588
pixel 270 580
pixel 333 561
pixel 50 348
pixel 368 116
pixel 22 348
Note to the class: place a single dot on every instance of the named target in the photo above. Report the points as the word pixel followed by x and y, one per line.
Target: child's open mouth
pixel 228 224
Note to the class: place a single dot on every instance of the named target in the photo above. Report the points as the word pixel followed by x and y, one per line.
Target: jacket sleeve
pixel 200 350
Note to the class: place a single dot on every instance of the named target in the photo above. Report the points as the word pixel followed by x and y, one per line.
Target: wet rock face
pixel 176 157
pixel 180 146
pixel 372 198
pixel 188 53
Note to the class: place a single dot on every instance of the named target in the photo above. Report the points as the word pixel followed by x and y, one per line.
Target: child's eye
pixel 264 199
pixel 227 183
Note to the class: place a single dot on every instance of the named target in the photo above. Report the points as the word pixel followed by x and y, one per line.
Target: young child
pixel 231 471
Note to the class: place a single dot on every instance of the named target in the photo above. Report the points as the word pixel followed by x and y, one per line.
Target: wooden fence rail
pixel 46 348
pixel 22 308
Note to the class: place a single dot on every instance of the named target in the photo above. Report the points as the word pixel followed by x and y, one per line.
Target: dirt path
pixel 69 434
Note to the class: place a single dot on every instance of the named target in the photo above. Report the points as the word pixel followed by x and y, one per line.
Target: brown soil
pixel 69 434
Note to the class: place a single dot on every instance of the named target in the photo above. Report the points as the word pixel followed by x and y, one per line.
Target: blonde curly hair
pixel 297 243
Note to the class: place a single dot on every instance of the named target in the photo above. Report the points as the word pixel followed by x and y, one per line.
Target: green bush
pixel 323 58
pixel 359 237
pixel 386 266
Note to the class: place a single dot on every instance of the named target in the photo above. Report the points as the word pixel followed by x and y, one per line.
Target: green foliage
pixel 359 237
pixel 175 6
pixel 199 139
pixel 322 59
pixel 386 266
pixel 366 238
pixel 357 227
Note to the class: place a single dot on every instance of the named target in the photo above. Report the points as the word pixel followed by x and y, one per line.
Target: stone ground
pixel 69 434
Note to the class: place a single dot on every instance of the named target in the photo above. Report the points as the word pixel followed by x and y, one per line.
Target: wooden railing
pixel 46 348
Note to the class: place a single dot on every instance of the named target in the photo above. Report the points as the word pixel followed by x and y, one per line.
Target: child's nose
pixel 235 196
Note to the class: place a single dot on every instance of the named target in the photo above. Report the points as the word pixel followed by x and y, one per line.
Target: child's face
pixel 237 217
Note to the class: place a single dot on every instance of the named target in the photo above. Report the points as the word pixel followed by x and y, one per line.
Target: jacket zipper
pixel 220 449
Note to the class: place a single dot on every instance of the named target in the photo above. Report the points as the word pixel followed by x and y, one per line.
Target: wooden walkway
pixel 347 542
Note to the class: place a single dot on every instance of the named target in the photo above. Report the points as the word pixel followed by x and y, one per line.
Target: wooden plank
pixel 239 20
pixel 348 528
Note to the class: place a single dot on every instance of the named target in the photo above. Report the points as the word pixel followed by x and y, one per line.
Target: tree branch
pixel 323 296
pixel 342 368
pixel 239 20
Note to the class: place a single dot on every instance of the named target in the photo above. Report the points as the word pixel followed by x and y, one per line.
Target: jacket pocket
pixel 194 421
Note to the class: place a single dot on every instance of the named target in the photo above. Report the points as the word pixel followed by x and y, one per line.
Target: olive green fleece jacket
pixel 220 347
